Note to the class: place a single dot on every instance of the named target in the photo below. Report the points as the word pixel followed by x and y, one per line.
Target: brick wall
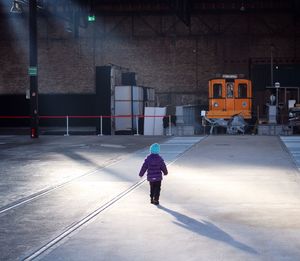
pixel 177 61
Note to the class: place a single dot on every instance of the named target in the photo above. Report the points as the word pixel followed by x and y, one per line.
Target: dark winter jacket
pixel 155 166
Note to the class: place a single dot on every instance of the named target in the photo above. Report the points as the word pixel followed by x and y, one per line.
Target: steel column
pixel 34 123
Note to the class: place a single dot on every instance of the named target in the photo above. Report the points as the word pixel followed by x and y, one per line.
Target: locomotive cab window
pixel 229 89
pixel 217 90
pixel 242 90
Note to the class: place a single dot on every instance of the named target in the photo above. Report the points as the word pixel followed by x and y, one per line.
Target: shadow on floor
pixel 206 229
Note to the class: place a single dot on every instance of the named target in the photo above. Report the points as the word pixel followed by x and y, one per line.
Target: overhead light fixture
pixel 17 5
pixel 40 4
pixel 68 27
pixel 16 8
pixel 243 8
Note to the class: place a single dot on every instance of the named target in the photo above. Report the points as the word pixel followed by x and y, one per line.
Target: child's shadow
pixel 206 229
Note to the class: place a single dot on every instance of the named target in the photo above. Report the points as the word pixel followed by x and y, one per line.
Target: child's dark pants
pixel 155 189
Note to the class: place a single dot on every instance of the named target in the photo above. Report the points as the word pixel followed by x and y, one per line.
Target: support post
pixel 101 133
pixel 271 66
pixel 34 112
pixel 67 120
pixel 137 125
pixel 170 126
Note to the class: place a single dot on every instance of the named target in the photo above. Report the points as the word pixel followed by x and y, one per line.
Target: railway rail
pixel 17 208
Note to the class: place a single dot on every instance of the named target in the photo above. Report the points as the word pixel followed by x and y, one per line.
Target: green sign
pixel 32 71
pixel 91 18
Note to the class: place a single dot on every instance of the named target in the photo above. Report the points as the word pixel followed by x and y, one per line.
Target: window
pixel 217 90
pixel 242 90
pixel 229 89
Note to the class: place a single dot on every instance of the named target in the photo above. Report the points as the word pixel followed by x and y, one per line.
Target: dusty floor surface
pixel 225 198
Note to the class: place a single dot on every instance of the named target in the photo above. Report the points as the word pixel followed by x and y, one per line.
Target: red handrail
pixel 83 116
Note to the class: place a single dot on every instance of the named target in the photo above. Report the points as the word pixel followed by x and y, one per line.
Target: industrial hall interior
pixel 150 130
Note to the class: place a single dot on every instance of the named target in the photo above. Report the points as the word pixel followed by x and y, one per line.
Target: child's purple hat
pixel 155 148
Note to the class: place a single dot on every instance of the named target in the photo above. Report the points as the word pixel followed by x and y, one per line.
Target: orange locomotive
pixel 229 96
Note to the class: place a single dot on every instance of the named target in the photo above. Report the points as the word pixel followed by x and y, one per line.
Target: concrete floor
pixel 225 198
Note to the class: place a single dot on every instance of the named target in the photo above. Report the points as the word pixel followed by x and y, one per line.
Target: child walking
pixel 155 166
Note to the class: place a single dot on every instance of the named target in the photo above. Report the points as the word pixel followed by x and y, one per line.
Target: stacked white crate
pixel 128 102
pixel 153 124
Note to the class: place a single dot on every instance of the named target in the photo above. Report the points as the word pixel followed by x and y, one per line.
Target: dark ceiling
pixel 182 8
pixel 194 6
